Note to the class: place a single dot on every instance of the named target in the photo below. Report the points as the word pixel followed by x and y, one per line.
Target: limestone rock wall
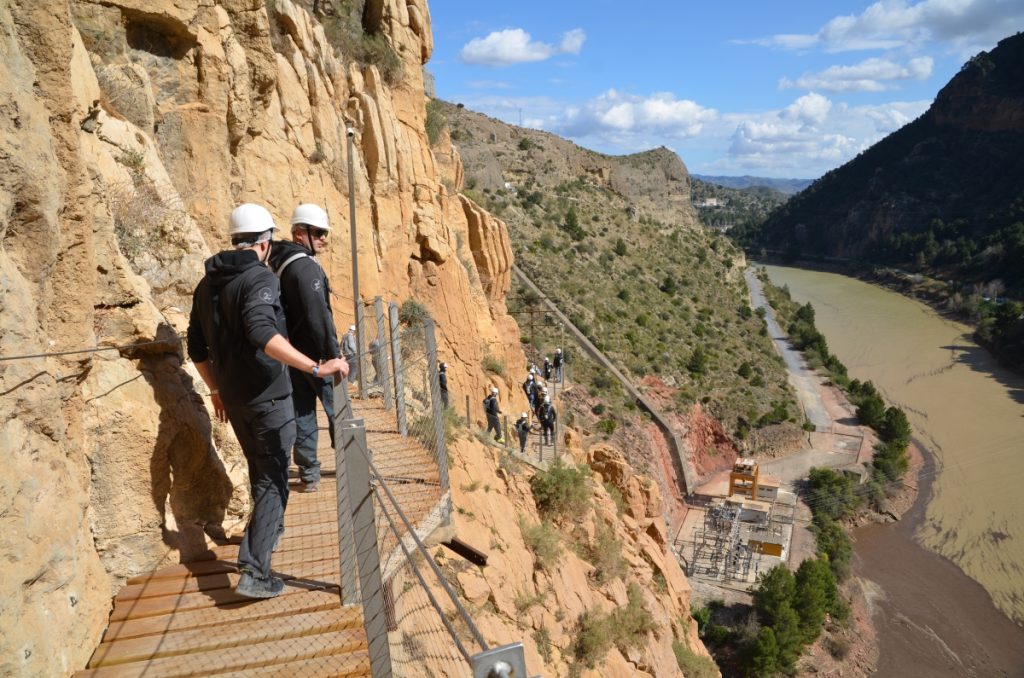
pixel 128 131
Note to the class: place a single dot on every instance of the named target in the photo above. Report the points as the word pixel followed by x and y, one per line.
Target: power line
pixel 95 349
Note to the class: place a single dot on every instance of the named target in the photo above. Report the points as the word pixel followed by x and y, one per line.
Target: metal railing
pixel 393 497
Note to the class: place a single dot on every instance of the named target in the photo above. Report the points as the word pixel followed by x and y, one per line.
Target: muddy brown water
pixel 956 606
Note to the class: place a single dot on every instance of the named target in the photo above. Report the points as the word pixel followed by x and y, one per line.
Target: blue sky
pixel 772 88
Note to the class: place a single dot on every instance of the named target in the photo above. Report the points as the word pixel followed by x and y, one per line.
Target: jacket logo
pixel 265 295
pixel 316 285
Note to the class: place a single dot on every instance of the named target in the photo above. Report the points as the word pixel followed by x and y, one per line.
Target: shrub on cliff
pixel 560 491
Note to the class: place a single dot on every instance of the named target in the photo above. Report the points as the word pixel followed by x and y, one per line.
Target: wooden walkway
pixel 185 620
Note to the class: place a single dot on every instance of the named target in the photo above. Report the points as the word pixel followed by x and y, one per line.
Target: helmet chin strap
pixel 266 253
pixel 309 239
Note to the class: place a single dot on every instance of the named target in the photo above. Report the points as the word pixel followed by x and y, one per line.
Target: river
pixel 969 413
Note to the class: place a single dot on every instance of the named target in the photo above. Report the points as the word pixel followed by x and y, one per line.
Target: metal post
pixel 436 406
pixel 469 422
pixel 364 534
pixel 360 352
pixel 342 402
pixel 554 434
pixel 382 352
pixel 350 133
pixel 505 426
pixel 396 359
pixel 344 449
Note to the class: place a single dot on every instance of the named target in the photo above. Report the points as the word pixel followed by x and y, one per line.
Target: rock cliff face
pixel 128 131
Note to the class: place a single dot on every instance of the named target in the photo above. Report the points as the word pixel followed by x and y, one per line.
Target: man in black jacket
pixel 306 295
pixel 442 381
pixel 492 410
pixel 236 340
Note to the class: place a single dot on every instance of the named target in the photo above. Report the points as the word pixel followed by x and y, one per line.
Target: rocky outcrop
pixel 499 156
pixel 519 594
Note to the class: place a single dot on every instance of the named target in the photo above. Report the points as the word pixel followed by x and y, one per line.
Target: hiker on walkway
pixel 378 354
pixel 236 338
pixel 349 349
pixel 546 367
pixel 530 389
pixel 559 362
pixel 546 415
pixel 306 297
pixel 542 393
pixel 492 410
pixel 523 431
pixel 442 380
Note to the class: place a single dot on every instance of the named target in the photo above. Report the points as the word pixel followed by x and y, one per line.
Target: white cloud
pixel 964 25
pixel 810 109
pixel 870 75
pixel 489 84
pixel 806 138
pixel 632 117
pixel 572 41
pixel 515 46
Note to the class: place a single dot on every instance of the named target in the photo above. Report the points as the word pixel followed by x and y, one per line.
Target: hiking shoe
pixel 309 487
pixel 251 587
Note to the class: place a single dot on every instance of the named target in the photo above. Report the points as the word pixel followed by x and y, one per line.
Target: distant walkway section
pixel 803 380
pixel 679 459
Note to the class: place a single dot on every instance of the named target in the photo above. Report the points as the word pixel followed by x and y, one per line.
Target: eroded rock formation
pixel 128 131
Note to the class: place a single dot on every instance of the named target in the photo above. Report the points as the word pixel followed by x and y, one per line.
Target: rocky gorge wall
pixel 128 131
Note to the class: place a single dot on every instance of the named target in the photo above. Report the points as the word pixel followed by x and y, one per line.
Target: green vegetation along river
pixel 966 409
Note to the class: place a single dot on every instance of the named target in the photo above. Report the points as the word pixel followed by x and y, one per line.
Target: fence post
pixel 381 356
pixel 436 406
pixel 469 422
pixel 344 449
pixel 360 350
pixel 342 402
pixel 396 359
pixel 364 537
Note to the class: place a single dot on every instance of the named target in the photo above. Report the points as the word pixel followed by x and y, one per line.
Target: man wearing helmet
pixel 349 348
pixel 546 415
pixel 523 431
pixel 306 297
pixel 492 410
pixel 442 381
pixel 236 338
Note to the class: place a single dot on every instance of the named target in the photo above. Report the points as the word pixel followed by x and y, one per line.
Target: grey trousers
pixel 306 390
pixel 266 433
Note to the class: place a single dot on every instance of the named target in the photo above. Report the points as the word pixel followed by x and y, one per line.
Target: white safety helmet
pixel 523 415
pixel 351 328
pixel 308 214
pixel 250 218
pixel 443 366
pixel 558 350
pixel 494 390
pixel 531 377
pixel 547 399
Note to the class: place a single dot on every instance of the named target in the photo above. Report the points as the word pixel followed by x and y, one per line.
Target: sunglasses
pixel 318 233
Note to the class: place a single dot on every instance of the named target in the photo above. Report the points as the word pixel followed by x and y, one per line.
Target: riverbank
pixel 930 291
pixel 965 411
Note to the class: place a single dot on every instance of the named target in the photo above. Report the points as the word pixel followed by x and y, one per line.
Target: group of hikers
pixel 543 411
pixel 262 337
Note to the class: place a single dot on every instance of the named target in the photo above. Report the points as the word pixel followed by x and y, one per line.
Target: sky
pixel 778 88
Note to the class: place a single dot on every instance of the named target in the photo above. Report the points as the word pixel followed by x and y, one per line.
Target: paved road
pixel 803 380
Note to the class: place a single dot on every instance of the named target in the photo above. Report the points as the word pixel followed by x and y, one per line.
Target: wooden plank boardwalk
pixel 185 619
